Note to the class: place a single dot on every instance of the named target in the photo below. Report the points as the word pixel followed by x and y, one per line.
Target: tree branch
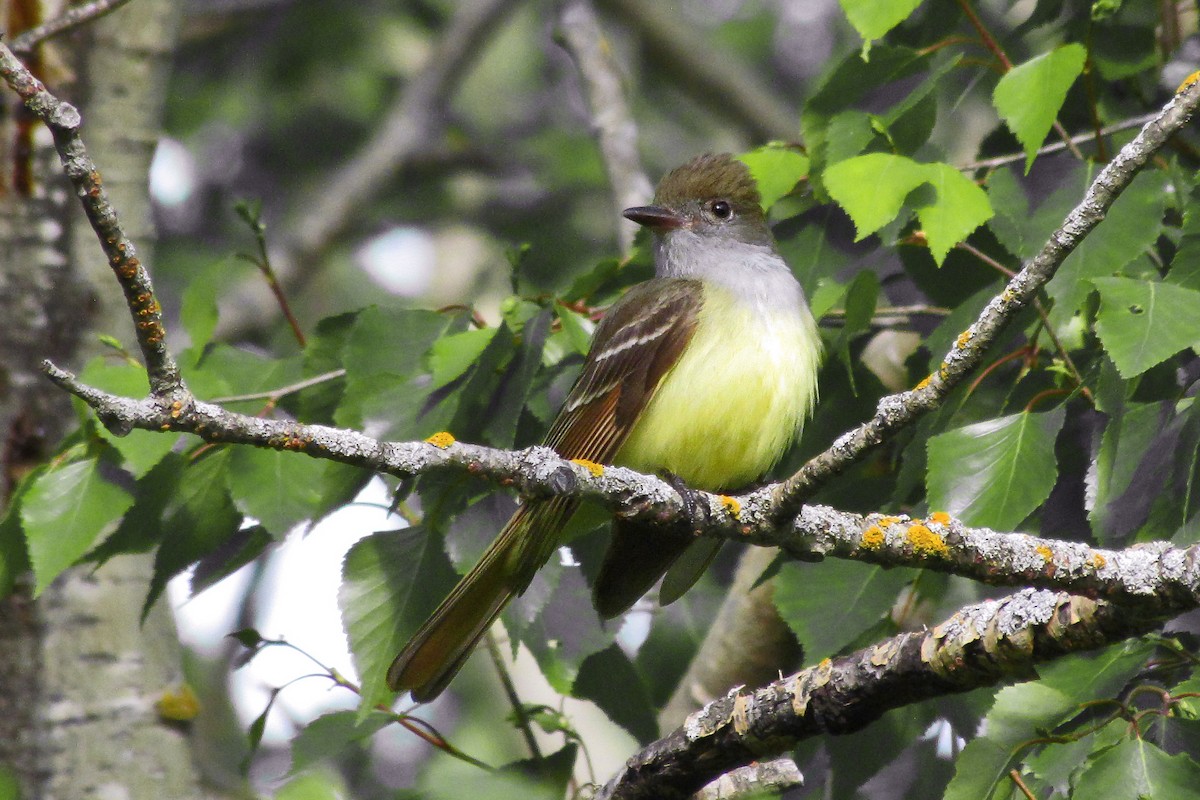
pixel 898 411
pixel 63 121
pixel 1137 575
pixel 978 646
pixel 581 35
pixel 73 17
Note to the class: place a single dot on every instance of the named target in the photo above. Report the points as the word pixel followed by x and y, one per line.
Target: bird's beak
pixel 656 217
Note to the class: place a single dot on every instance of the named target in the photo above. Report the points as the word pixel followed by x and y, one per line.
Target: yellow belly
pixel 734 402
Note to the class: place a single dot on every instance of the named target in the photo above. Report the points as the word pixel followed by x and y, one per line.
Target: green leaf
pixel 961 207
pixel 1137 770
pixel 827 607
pixel 279 489
pixel 577 327
pixel 200 517
pixel 65 511
pixel 453 355
pixel 873 18
pixel 1143 323
pixel 1028 97
pixel 860 302
pixel 390 582
pixel 198 306
pixel 994 473
pixel 328 735
pixel 14 556
pixel 383 356
pixel 874 187
pixel 776 168
pixel 609 680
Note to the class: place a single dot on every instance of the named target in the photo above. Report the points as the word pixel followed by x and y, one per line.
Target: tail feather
pixel 438 650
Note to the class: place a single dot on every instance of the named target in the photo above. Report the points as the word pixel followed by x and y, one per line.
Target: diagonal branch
pixel 898 411
pixel 63 120
pixel 978 646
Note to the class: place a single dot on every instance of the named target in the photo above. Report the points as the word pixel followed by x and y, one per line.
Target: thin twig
pixel 510 691
pixel 581 35
pixel 73 17
pixel 249 212
pixel 1012 158
pixel 283 391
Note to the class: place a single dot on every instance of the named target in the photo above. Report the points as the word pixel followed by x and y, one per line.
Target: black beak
pixel 655 217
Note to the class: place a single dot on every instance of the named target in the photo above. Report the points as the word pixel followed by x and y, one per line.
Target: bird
pixel 704 373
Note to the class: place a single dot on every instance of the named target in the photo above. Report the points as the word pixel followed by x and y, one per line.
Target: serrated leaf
pixel 827 607
pixel 1143 322
pixel 328 735
pixel 1028 97
pixel 874 187
pixel 200 518
pixel 390 582
pixel 776 168
pixel 873 18
pixel 65 511
pixel 278 488
pixel 1137 770
pixel 994 473
pixel 960 208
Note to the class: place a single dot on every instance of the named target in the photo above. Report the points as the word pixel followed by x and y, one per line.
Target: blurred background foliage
pixel 500 215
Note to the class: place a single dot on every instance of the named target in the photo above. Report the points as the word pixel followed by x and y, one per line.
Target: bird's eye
pixel 721 209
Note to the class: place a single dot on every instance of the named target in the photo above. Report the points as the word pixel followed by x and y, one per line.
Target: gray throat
pixel 752 271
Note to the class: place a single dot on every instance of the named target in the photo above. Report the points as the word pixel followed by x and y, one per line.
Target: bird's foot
pixel 695 506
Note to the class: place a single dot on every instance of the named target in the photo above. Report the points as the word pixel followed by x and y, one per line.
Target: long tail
pixel 443 644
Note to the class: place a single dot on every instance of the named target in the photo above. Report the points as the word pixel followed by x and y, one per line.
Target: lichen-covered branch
pixel 615 130
pixel 1165 576
pixel 978 646
pixel 898 411
pixel 63 120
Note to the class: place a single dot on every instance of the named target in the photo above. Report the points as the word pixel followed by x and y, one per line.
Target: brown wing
pixel 638 341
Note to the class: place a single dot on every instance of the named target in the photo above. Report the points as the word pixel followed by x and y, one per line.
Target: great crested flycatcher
pixel 706 372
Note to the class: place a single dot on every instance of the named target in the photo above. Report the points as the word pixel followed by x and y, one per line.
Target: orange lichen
pixel 1188 81
pixel 963 338
pixel 887 521
pixel 731 505
pixel 873 537
pixel 441 440
pixel 940 517
pixel 926 541
pixel 1098 561
pixel 591 466
pixel 1045 552
pixel 924 382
